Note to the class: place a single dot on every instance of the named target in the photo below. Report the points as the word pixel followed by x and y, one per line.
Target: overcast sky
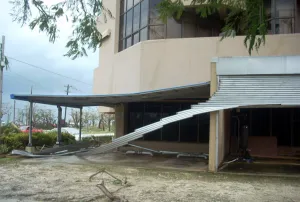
pixel 34 48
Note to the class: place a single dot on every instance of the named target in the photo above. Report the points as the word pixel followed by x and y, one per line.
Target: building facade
pixel 143 54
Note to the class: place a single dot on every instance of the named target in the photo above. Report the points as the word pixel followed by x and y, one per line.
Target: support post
pixel 80 124
pixel 30 125
pixel 213 124
pixel 2 65
pixel 14 119
pixel 58 141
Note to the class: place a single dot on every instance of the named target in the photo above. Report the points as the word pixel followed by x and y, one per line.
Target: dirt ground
pixel 67 179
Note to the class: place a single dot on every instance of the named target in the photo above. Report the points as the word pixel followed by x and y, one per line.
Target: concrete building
pixel 143 54
pixel 176 87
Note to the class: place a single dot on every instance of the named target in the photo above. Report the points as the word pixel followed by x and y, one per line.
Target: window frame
pixel 124 13
pixel 274 17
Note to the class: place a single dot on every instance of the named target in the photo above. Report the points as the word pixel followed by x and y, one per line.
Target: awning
pixel 183 92
pixel 257 90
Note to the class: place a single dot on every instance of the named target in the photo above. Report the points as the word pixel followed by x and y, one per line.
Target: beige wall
pixel 173 62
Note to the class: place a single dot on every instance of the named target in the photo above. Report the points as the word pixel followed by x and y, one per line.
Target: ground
pixel 94 130
pixel 67 179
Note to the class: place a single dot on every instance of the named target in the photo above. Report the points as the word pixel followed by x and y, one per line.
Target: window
pixel 152 114
pixel 139 21
pixel 281 15
pixel 133 22
pixel 195 129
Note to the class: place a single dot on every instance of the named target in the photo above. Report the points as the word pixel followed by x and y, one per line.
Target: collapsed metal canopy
pixel 233 92
pixel 182 92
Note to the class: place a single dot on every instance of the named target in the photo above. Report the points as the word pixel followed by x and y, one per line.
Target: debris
pixel 107 193
pixel 31 155
pixel 139 152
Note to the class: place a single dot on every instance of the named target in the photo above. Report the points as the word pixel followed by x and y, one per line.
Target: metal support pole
pixel 30 125
pixel 59 125
pixel 14 119
pixel 80 124
pixel 2 65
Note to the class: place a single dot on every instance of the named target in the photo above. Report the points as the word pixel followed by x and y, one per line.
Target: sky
pixel 33 47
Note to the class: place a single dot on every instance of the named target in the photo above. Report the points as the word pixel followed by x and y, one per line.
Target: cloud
pixel 34 48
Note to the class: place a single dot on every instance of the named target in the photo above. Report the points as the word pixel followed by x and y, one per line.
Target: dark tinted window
pixel 133 22
pixel 129 23
pixel 145 13
pixel 136 18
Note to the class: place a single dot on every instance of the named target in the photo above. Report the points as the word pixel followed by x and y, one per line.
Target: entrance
pixel 272 132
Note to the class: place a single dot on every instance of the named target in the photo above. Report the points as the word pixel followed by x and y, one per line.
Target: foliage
pixel 9 128
pixel 97 140
pixel 20 140
pixel 43 118
pixel 75 115
pixel 246 17
pixel 82 13
pixel 3 149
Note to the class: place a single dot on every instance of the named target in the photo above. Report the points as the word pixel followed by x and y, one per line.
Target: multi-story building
pixel 176 87
pixel 143 54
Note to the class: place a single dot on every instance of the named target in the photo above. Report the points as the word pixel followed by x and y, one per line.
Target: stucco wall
pixel 165 63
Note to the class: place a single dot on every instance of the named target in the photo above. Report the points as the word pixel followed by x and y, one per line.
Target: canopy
pixel 200 90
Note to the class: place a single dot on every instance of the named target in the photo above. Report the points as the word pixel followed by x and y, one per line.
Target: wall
pixel 166 63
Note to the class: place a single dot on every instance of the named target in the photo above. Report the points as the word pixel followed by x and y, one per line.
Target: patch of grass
pixel 94 130
pixel 7 160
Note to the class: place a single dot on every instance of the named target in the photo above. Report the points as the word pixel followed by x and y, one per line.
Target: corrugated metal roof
pixel 182 92
pixel 283 90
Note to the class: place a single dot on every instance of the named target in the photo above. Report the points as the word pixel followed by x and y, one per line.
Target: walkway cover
pixel 77 101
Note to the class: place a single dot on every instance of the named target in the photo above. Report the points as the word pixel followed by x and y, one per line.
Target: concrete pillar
pixel 218 129
pixel 212 142
pixel 120 120
pixel 213 121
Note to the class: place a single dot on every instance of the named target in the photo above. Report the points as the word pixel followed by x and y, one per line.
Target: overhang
pixel 195 91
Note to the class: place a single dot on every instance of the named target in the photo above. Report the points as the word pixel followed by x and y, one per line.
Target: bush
pixel 20 140
pixel 101 140
pixel 9 128
pixel 4 149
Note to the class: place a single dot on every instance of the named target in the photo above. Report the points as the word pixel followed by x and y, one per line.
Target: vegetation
pixel 97 140
pixel 3 149
pixel 9 128
pixel 93 121
pixel 247 17
pixel 20 140
pixel 42 117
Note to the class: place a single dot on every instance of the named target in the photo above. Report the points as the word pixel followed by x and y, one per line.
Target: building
pixel 176 87
pixel 143 54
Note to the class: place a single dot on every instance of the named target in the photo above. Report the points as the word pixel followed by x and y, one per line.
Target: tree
pixel 246 17
pixel 82 14
pixel 86 118
pixel 43 118
pixel 75 115
pixel 93 118
pixel 101 121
